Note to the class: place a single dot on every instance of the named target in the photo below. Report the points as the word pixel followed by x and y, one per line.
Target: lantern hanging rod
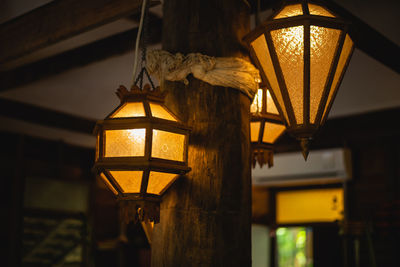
pixel 135 61
pixel 141 38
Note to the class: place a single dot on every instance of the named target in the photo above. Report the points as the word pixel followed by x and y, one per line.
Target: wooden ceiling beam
pixel 369 40
pixel 366 38
pixel 111 46
pixel 46 117
pixel 58 21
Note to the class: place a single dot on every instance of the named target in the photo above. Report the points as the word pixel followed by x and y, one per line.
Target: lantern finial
pixel 305 144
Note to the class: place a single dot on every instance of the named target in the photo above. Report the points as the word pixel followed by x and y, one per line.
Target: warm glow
pixel 256 106
pixel 319 10
pixel 271 107
pixel 167 145
pixel 125 143
pixel 290 11
pixel 254 131
pixel 323 43
pixel 289 45
pixel 128 181
pixel 302 58
pixel 315 205
pixel 97 147
pixel 134 109
pixel 261 50
pixel 159 111
pixel 344 56
pixel 159 182
pixel 272 131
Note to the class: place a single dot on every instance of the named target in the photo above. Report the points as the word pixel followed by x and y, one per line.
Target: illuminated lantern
pixel 302 52
pixel 141 149
pixel 265 127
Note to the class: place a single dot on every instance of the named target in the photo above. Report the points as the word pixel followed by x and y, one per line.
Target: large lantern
pixel 302 52
pixel 141 149
pixel 265 127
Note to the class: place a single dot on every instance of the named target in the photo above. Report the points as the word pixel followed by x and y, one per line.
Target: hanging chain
pixel 143 40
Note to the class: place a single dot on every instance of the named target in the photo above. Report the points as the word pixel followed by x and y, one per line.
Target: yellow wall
pixel 314 205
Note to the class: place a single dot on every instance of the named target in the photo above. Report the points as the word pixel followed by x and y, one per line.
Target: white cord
pixel 135 63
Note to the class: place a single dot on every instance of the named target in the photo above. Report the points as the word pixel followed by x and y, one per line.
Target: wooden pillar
pixel 206 215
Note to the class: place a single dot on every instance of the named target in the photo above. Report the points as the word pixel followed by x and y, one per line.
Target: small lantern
pixel 266 127
pixel 302 52
pixel 141 149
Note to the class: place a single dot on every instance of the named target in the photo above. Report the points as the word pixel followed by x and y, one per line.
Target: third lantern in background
pixel 265 127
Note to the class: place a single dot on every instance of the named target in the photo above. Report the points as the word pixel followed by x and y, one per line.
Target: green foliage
pixel 294 247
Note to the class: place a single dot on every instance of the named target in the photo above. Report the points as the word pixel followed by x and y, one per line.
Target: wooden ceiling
pixel 49 25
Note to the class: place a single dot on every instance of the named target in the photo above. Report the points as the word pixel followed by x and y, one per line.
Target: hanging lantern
pixel 141 149
pixel 302 52
pixel 266 127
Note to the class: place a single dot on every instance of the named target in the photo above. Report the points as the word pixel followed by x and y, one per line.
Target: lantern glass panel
pixel 159 111
pixel 131 109
pixel 290 11
pixel 159 181
pixel 167 145
pixel 108 184
pixel 129 181
pixel 125 143
pixel 262 53
pixel 272 131
pixel 271 108
pixel 256 106
pixel 255 130
pixel 319 10
pixel 323 44
pixel 289 47
pixel 346 50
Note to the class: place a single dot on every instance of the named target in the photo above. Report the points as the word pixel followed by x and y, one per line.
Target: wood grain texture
pixel 206 215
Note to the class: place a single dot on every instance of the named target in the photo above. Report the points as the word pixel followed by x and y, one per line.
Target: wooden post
pixel 206 215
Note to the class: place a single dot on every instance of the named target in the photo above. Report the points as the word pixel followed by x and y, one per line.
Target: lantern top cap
pixel 304 7
pixel 139 94
pixel 292 13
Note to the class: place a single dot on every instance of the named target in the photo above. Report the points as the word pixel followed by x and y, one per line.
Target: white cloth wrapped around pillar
pixel 220 71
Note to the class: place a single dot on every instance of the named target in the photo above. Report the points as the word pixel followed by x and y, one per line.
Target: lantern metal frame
pixel 148 203
pixel 306 130
pixel 262 152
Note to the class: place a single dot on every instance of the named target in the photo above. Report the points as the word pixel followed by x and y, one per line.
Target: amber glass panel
pixel 254 131
pixel 159 181
pixel 319 10
pixel 125 143
pixel 323 43
pixel 108 184
pixel 160 112
pixel 262 53
pixel 256 106
pixel 347 47
pixel 129 181
pixel 289 47
pixel 272 131
pixel 290 11
pixel 271 108
pixel 168 145
pixel 135 109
